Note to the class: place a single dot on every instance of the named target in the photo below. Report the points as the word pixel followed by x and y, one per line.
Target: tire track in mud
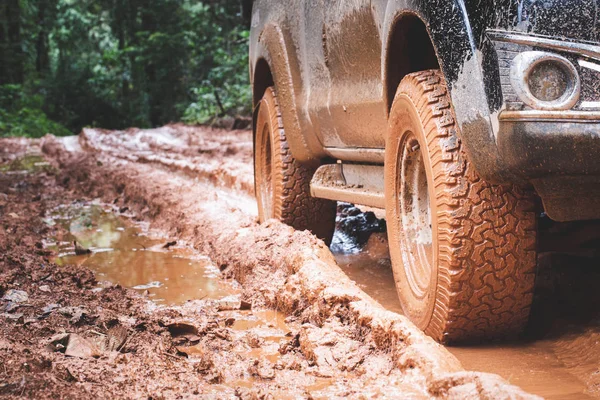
pixel 221 157
pixel 558 355
pixel 343 330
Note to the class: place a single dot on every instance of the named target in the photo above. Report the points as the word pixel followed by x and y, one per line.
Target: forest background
pixel 68 64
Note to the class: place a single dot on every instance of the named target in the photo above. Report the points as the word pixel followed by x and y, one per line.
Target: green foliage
pixel 226 89
pixel 125 63
pixel 22 115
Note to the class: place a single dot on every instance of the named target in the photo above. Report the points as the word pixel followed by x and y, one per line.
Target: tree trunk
pixel 11 54
pixel 3 42
pixel 42 61
pixel 120 18
pixel 247 11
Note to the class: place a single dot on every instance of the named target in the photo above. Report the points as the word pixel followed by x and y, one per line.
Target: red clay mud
pixel 222 157
pixel 62 337
pixel 342 333
pixel 557 355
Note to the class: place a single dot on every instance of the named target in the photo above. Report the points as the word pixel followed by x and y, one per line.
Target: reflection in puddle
pixel 371 269
pixel 27 164
pixel 122 254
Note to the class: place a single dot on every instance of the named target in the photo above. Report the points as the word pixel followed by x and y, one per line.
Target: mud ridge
pixel 342 328
pixel 193 157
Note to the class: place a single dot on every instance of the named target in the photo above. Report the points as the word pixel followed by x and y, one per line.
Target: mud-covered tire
pixel 282 184
pixel 463 250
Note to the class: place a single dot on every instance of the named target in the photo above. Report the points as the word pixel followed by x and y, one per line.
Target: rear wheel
pixel 281 183
pixel 462 249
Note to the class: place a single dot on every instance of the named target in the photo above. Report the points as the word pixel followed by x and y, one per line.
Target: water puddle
pixel 534 367
pixel 269 331
pixel 29 163
pixel 558 355
pixel 370 267
pixel 119 252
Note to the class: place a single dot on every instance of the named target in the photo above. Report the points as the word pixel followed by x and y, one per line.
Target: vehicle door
pixel 353 114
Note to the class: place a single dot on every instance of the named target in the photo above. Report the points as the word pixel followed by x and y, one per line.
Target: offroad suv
pixel 455 116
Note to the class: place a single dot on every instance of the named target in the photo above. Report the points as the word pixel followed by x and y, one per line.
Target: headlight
pixel 545 81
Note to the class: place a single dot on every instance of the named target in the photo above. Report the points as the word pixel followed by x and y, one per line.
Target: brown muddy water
pixel 125 253
pixel 29 163
pixel 121 253
pixel 558 356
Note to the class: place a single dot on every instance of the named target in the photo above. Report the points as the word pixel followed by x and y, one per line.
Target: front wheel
pixel 281 183
pixel 463 250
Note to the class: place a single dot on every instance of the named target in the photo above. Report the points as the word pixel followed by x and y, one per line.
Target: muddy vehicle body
pixel 453 116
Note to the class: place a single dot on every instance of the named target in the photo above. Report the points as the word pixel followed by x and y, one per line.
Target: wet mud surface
pixel 71 328
pixel 93 236
pixel 558 355
pixel 92 304
pixel 183 294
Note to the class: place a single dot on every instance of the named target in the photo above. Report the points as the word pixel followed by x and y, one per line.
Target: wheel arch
pixel 271 65
pixel 409 49
pixel 449 34
pixel 262 80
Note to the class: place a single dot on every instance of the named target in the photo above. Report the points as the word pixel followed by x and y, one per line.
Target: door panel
pixel 353 113
pixel 316 80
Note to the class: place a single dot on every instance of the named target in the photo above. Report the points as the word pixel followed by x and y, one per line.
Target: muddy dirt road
pixel 132 266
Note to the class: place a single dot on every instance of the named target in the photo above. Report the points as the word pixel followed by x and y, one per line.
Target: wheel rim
pixel 416 238
pixel 266 179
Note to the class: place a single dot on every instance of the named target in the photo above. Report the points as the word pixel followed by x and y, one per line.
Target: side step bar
pixel 352 183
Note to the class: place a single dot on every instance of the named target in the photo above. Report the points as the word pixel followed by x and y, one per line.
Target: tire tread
pixel 486 232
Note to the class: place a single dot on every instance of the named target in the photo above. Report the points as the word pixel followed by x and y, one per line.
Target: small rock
pixel 179 329
pixel 16 296
pixel 49 309
pixel 73 345
pixel 245 305
pixel 170 244
pixel 75 313
pixel 184 334
pixel 81 250
pixel 45 288
pixel 80 347
pixel 14 317
pixel 229 303
pixel 58 342
pixel 10 307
